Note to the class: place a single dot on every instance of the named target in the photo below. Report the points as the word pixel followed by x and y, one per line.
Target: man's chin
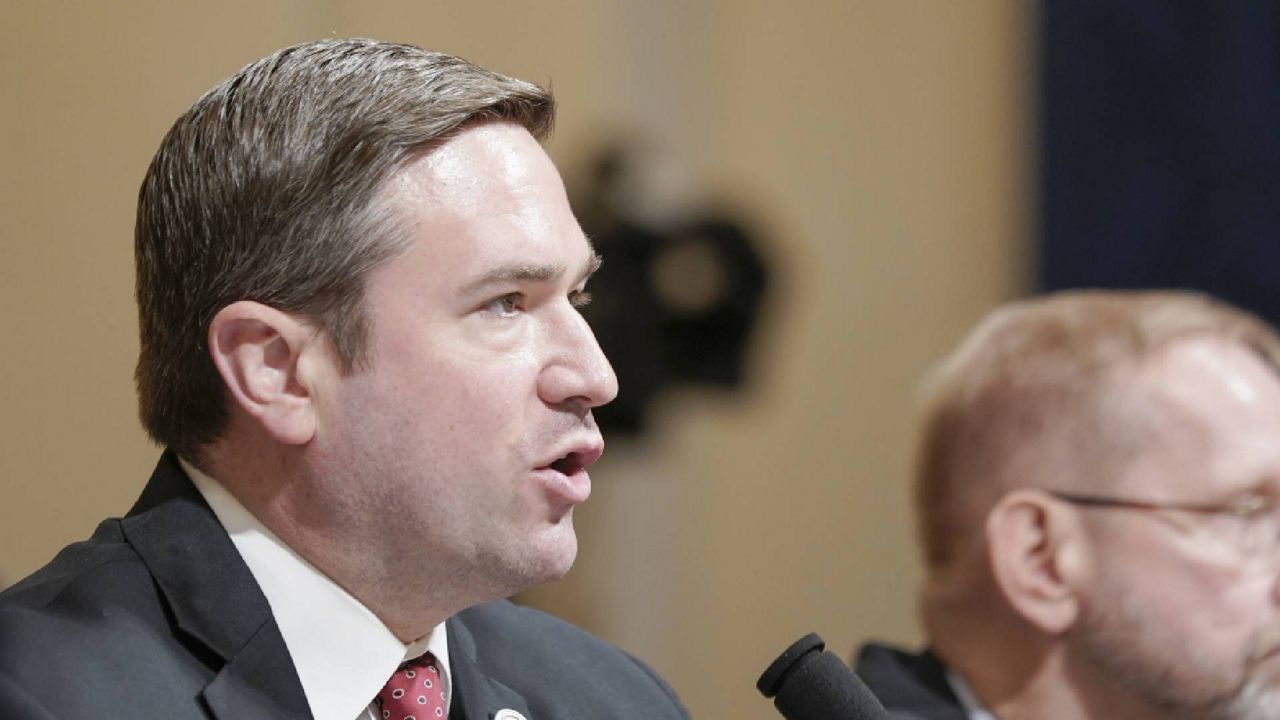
pixel 1262 671
pixel 560 559
pixel 1259 696
pixel 550 559
pixel 1259 699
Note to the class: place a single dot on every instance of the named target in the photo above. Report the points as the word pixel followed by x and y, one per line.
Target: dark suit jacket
pixel 911 687
pixel 157 616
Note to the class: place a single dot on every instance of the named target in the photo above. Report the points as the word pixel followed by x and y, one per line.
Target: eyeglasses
pixel 1250 524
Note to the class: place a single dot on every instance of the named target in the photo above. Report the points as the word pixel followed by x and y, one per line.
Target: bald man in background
pixel 1097 487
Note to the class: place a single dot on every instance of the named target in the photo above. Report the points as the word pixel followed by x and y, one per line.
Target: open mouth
pixel 565 479
pixel 569 464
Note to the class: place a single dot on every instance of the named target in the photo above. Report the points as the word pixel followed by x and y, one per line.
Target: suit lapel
pixel 259 682
pixel 214 599
pixel 476 696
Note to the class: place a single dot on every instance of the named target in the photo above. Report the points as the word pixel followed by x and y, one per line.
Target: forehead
pixel 488 196
pixel 1210 411
pixel 481 164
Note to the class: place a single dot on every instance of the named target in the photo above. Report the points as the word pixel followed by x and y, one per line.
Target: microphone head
pixel 807 683
pixel 771 680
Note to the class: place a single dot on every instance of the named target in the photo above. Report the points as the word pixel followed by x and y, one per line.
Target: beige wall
pixel 884 147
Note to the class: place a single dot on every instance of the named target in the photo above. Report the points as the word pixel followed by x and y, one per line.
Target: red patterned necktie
pixel 414 692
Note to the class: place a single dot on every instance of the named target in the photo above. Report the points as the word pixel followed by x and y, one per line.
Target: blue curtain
pixel 1161 147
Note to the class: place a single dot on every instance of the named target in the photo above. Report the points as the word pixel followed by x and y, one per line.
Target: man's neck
pixel 274 489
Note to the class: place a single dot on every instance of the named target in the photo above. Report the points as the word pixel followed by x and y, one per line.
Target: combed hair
pixel 269 188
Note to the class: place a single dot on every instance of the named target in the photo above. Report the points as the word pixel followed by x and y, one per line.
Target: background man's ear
pixel 256 349
pixel 1035 550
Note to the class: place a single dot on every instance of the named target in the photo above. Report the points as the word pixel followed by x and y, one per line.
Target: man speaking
pixel 358 284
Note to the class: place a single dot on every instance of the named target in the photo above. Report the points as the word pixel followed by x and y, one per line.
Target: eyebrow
pixel 530 273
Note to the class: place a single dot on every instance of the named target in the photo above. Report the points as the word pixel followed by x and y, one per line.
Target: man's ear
pixel 1035 550
pixel 256 350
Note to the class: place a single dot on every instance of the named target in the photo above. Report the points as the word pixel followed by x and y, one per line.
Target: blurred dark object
pixel 675 301
pixel 808 683
pixel 1161 155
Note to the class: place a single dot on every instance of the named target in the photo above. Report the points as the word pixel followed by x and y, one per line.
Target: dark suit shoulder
pixel 560 669
pixel 92 613
pixel 83 564
pixel 911 686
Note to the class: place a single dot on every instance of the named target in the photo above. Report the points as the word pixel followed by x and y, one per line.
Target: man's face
pixel 1179 615
pixel 454 460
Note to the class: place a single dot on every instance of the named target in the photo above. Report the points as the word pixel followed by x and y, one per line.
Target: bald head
pixel 1106 395
pixel 1037 396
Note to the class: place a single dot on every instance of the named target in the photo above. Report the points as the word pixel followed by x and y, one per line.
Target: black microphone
pixel 807 683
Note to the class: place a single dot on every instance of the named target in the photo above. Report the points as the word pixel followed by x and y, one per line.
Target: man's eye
pixel 508 304
pixel 579 298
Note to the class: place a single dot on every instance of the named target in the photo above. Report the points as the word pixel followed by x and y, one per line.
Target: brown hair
pixel 1027 398
pixel 268 189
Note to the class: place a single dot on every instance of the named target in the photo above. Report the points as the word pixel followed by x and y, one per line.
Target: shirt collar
pixel 972 706
pixel 342 652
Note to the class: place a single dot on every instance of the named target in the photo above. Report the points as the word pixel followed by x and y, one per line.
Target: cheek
pixel 1190 596
pixel 474 410
pixel 488 390
pixel 468 404
pixel 1218 611
pixel 1246 605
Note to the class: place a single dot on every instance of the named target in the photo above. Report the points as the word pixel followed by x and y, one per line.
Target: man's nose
pixel 577 374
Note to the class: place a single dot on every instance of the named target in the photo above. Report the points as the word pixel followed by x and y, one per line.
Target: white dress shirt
pixel 342 652
pixel 972 706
